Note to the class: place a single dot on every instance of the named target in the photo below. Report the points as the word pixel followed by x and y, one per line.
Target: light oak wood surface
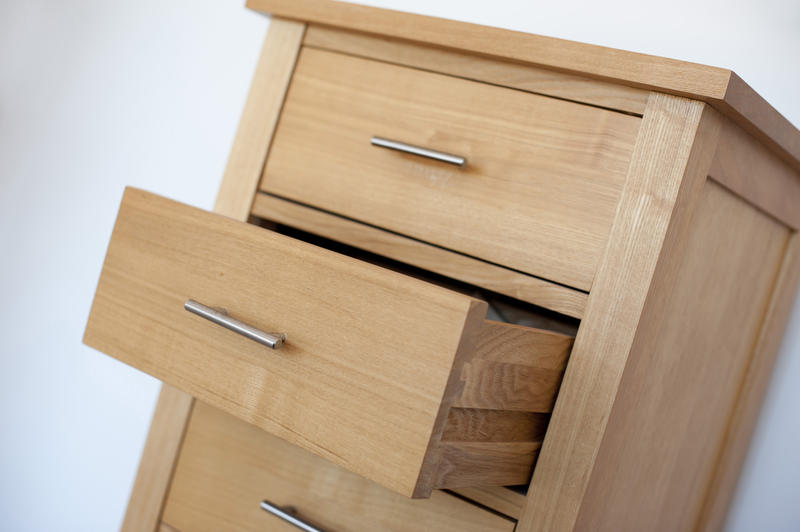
pixel 537 194
pixel 227 467
pixel 682 379
pixel 370 352
pixel 552 296
pixel 719 87
pixel 158 460
pixel 746 167
pixel 673 153
pixel 615 456
pixel 503 500
pixel 479 68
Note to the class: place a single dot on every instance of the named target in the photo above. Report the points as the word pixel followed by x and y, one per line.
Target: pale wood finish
pixel 719 87
pixel 745 166
pixel 540 292
pixel 370 352
pixel 474 424
pixel 682 378
pixel 539 190
pixel 470 66
pixel 158 460
pixel 374 358
pixel 515 344
pixel 227 467
pixel 261 111
pixel 673 153
pixel 742 422
pixel 503 500
pixel 514 368
pixel 484 463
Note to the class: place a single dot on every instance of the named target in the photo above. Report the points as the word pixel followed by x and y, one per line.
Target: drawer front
pixel 369 355
pixel 227 467
pixel 537 193
pixel 396 379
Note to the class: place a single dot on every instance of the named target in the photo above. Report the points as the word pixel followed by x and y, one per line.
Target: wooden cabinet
pixel 645 207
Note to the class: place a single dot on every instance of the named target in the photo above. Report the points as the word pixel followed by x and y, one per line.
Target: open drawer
pixel 396 379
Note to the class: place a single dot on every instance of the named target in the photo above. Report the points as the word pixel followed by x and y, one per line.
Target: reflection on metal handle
pixel 220 317
pixel 417 150
pixel 289 518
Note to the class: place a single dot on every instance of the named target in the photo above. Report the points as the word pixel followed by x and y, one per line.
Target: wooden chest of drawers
pixel 518 210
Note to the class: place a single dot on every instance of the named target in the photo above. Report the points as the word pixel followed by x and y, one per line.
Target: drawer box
pixel 227 467
pixel 399 380
pixel 538 191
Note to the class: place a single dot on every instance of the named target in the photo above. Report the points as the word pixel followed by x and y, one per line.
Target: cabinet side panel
pixel 683 377
pixel 670 163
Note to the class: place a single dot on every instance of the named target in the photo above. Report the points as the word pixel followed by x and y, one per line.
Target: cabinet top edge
pixel 719 87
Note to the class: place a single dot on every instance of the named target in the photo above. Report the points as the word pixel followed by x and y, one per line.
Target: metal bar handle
pixel 418 150
pixel 220 317
pixel 289 518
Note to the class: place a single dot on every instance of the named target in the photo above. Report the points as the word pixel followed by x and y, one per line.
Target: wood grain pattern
pixel 719 87
pixel 261 111
pixel 524 287
pixel 499 499
pixel 746 167
pixel 227 467
pixel 516 344
pixel 464 464
pixel 538 192
pixel 471 424
pixel 501 386
pixel 344 380
pixel 158 460
pixel 670 162
pixel 683 375
pixel 742 422
pixel 479 68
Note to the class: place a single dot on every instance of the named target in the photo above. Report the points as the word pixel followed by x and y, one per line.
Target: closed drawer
pixel 227 467
pixel 398 380
pixel 538 191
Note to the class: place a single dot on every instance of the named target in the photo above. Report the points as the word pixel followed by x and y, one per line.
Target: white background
pixel 96 95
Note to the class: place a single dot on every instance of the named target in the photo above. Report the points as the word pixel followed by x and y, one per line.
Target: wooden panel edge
pixel 473 321
pixel 463 464
pixel 158 461
pixel 259 118
pixel 499 499
pixel 751 395
pixel 527 288
pixel 673 153
pixel 746 167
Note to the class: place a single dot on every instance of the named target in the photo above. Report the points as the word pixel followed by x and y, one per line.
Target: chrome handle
pixel 289 518
pixel 418 150
pixel 220 317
